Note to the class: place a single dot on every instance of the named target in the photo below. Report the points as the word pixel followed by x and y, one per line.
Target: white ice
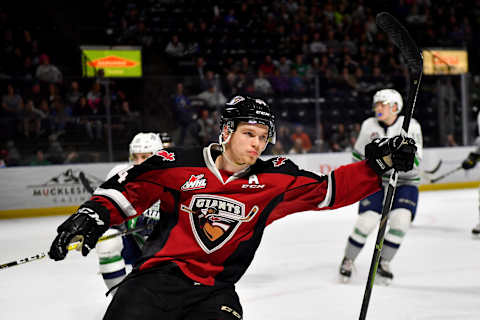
pixel 294 275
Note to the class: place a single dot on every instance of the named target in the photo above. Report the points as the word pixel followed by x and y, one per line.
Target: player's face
pixel 138 158
pixel 247 143
pixel 383 112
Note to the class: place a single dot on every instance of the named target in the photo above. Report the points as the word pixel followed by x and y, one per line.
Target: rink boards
pixel 58 189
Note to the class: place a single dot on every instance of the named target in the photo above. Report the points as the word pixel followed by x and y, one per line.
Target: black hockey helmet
pixel 166 139
pixel 250 110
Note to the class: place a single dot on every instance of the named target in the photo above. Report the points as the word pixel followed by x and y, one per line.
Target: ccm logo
pixel 253 186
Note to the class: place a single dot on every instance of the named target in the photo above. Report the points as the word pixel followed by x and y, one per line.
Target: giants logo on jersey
pixel 195 182
pixel 215 219
pixel 168 156
pixel 278 161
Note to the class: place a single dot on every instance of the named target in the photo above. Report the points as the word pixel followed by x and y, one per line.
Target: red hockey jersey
pixel 212 225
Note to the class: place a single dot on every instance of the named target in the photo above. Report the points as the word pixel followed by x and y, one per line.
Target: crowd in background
pixel 297 54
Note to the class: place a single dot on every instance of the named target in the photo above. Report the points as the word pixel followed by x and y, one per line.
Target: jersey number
pixel 122 176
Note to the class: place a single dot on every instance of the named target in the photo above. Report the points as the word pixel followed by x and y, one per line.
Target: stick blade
pixel 402 40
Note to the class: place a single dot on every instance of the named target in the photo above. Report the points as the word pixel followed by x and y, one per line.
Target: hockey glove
pixel 384 154
pixel 85 223
pixel 471 161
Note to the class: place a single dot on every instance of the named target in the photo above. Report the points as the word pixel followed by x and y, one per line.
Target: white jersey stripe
pixel 328 196
pixel 119 199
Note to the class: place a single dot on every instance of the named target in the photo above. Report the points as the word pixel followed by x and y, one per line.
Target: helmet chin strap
pixel 224 154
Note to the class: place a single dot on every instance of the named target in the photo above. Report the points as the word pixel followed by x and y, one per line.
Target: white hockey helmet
pixel 389 96
pixel 145 143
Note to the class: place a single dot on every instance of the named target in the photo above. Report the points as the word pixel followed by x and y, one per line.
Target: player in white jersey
pixel 115 253
pixel 387 104
pixel 469 163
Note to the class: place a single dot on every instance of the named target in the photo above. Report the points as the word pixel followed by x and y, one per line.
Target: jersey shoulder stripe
pixel 283 165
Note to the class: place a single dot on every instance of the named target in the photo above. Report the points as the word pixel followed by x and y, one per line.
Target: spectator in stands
pixel 279 83
pixel 60 115
pixel 284 136
pixel 12 102
pixel 55 150
pixel 32 120
pixel 73 94
pixel 296 83
pixel 129 119
pixel 243 84
pixel 277 149
pixel 95 99
pixel 175 48
pixel 39 159
pixel 339 140
pixel 244 66
pixel 267 66
pixel 206 127
pixel 11 111
pixel 14 157
pixel 48 72
pixel 306 143
pixel 297 147
pixel 317 46
pixel 230 88
pixel 84 116
pixel 261 85
pixel 284 66
pixel 183 113
pixel 28 71
pixel 300 65
pixel 209 80
pixel 212 97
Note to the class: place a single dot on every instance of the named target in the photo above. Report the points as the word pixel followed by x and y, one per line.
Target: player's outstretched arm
pixel 85 223
pixel 387 153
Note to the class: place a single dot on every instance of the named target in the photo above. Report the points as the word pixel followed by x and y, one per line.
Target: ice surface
pixel 294 275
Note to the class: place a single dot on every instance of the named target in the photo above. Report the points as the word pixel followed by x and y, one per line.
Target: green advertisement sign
pixel 115 63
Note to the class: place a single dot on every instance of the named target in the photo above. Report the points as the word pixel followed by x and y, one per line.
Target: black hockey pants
pixel 165 293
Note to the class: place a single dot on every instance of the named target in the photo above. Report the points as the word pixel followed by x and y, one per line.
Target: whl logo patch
pixel 195 182
pixel 168 156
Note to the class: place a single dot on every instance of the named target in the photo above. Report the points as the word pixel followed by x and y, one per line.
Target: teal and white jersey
pixel 372 129
pixel 148 218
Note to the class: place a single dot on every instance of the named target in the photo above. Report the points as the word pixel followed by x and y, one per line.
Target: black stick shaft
pixel 401 38
pixel 446 174
pixel 387 206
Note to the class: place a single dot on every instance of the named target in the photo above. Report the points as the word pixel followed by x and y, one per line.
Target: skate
pixel 346 269
pixel 476 231
pixel 384 274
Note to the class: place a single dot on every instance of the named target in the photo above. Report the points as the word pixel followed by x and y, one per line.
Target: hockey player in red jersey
pixel 217 202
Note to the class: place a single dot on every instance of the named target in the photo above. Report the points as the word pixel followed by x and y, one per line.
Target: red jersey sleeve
pixel 341 187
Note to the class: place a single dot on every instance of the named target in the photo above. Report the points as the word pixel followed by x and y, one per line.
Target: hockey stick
pixel 403 41
pixel 439 164
pixel 85 182
pixel 446 174
pixel 72 246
